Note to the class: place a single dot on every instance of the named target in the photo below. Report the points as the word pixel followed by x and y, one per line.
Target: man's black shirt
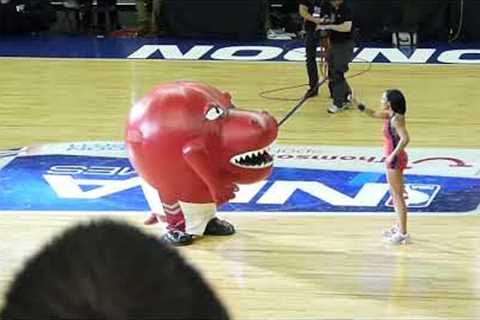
pixel 319 6
pixel 340 16
pixel 325 10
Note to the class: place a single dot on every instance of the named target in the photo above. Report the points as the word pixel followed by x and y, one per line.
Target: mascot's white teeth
pixel 257 159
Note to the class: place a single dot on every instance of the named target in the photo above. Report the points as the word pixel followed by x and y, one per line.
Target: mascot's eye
pixel 214 113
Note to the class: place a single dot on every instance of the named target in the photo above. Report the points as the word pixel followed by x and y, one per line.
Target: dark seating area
pixel 430 20
pixel 91 17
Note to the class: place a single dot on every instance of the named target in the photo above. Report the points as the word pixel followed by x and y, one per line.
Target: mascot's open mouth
pixel 257 159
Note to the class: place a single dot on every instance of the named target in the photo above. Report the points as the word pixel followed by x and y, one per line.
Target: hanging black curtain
pixel 238 19
pixel 471 21
pixel 21 16
pixel 431 19
pixel 8 17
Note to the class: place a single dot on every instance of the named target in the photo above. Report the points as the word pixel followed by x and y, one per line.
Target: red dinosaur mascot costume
pixel 189 142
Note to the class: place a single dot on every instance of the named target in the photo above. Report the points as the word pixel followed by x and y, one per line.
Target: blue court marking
pixel 364 177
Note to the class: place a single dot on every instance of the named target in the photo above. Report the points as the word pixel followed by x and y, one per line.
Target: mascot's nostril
pixel 254 122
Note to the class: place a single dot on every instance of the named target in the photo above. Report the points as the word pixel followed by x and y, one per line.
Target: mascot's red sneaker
pixel 193 146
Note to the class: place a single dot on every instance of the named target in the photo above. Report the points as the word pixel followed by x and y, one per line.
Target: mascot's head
pixel 173 114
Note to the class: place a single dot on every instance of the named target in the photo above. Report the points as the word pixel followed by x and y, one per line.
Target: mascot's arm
pixel 196 156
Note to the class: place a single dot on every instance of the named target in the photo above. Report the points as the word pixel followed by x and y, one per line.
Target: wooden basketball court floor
pixel 275 267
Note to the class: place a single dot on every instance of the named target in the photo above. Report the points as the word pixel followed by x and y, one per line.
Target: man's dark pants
pixel 340 55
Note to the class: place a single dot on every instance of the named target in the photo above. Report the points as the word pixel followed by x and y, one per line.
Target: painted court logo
pixel 419 195
pixel 305 180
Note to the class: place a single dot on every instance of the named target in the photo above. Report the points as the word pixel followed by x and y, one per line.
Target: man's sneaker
pixel 399 238
pixel 333 109
pixel 347 104
pixel 177 238
pixel 312 92
pixel 391 231
pixel 217 227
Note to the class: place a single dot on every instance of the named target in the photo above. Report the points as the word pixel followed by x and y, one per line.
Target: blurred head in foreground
pixel 109 270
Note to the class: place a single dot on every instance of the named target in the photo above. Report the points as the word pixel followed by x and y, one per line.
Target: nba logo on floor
pixel 419 195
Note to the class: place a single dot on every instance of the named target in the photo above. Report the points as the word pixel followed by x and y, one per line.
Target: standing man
pixel 336 18
pixel 311 11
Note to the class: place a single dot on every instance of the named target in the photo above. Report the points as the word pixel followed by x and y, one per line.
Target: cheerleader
pixel 396 138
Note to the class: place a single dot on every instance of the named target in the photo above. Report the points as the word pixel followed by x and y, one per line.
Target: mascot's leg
pixel 177 233
pixel 184 220
pixel 166 208
pixel 155 204
pixel 200 220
